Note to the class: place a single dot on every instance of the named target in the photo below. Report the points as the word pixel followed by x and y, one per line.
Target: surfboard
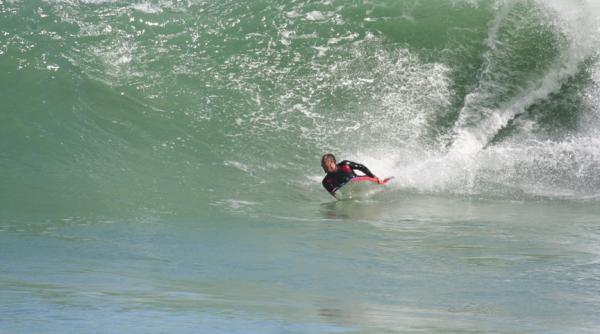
pixel 361 187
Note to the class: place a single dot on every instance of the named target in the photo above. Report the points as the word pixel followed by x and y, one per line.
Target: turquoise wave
pixel 110 107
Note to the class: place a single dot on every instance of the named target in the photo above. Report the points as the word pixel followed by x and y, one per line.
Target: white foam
pixel 413 92
pixel 315 16
pixel 148 8
pixel 559 169
pixel 234 204
pixel 293 14
pixel 321 50
pixel 238 165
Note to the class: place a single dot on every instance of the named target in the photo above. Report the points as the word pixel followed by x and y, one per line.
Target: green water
pixel 160 166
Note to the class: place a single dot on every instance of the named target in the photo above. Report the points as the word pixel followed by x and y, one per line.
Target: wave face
pixel 186 106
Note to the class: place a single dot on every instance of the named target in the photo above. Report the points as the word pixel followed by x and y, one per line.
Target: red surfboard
pixel 361 187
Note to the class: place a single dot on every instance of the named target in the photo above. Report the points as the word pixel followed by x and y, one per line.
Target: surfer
pixel 339 174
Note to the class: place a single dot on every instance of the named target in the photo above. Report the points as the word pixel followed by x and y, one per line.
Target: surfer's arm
pixel 361 168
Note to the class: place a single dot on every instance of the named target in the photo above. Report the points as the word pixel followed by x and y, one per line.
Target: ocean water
pixel 160 166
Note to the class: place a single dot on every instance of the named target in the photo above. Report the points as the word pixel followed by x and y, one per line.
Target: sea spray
pixel 480 156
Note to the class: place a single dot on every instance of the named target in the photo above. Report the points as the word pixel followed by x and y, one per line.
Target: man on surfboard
pixel 339 174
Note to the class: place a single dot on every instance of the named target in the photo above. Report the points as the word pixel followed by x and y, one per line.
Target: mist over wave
pixel 180 106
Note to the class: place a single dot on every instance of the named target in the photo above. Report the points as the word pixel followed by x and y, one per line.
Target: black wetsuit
pixel 344 173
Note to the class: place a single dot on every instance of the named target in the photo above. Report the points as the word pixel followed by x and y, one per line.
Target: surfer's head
pixel 328 163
